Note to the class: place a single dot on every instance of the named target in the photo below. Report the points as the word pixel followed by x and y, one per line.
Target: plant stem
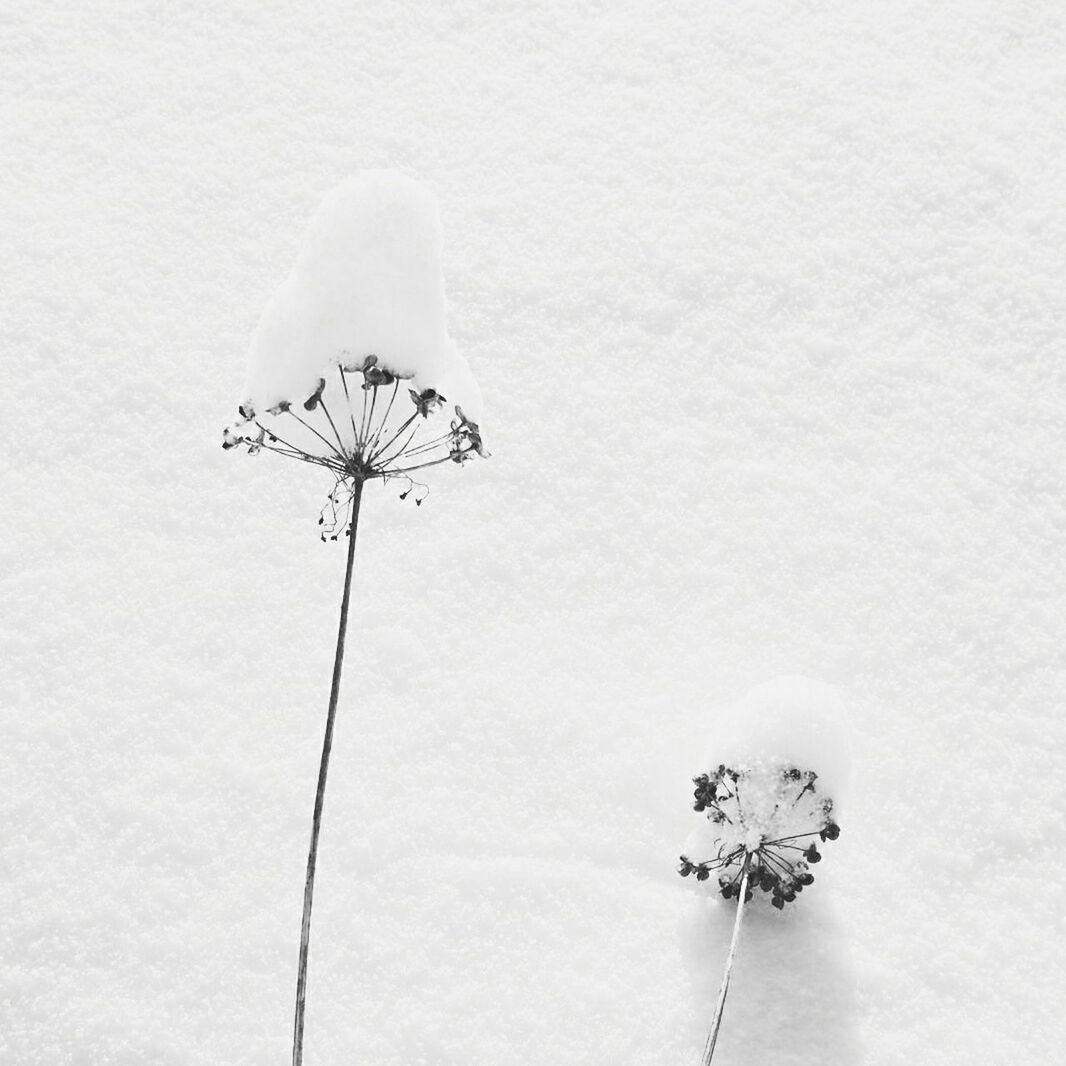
pixel 323 769
pixel 716 1021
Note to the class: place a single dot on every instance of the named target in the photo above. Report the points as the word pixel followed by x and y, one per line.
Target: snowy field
pixel 766 305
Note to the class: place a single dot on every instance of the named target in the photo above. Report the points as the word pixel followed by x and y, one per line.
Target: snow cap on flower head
pixel 794 720
pixel 367 282
pixel 351 368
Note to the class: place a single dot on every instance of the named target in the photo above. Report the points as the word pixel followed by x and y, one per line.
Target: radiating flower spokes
pixel 373 426
pixel 768 829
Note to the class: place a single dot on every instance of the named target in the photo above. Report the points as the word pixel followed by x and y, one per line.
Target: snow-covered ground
pixel 766 305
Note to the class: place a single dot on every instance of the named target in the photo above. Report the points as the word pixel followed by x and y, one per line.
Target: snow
pixel 786 721
pixel 793 987
pixel 367 282
pixel 766 303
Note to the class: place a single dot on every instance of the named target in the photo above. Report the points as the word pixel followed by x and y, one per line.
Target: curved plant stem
pixel 323 769
pixel 716 1021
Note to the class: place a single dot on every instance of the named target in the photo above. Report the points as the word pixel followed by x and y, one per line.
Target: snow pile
pixel 367 282
pixel 789 721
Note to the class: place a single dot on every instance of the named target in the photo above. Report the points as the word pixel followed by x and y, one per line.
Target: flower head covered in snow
pixel 767 817
pixel 351 367
pixel 769 820
pixel 765 810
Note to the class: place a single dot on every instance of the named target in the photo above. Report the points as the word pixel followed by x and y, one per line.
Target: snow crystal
pixel 367 281
pixel 792 721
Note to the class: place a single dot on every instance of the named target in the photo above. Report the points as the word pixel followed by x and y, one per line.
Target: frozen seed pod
pixel 767 820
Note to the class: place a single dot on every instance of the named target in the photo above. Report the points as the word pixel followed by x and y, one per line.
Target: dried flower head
pixel 769 820
pixel 371 427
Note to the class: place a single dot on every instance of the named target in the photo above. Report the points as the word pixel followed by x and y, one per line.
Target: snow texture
pixel 787 721
pixel 766 301
pixel 367 282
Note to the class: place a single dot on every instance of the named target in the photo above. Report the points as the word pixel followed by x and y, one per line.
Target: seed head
pixel 768 819
pixel 357 425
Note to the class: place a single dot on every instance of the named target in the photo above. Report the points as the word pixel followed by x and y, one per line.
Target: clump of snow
pixel 367 282
pixel 789 721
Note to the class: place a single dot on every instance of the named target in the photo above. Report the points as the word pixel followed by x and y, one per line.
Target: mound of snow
pixel 792 720
pixel 793 996
pixel 367 282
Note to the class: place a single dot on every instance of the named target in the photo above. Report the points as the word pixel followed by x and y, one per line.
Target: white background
pixel 766 301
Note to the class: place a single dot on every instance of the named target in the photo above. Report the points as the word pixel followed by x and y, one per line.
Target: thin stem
pixel 351 414
pixel 781 866
pixel 364 434
pixel 798 836
pixel 422 466
pixel 720 861
pixel 271 433
pixel 307 425
pixel 304 458
pixel 373 443
pixel 402 450
pixel 370 417
pixel 716 1021
pixel 323 769
pixel 329 417
pixel 379 452
pixel 429 445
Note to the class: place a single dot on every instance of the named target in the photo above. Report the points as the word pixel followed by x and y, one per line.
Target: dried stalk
pixel 320 793
pixel 716 1021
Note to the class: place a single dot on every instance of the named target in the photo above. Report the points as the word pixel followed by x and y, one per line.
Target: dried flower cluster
pixel 768 818
pixel 362 433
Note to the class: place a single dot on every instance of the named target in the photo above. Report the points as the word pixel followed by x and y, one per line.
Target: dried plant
pixel 769 820
pixel 373 427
